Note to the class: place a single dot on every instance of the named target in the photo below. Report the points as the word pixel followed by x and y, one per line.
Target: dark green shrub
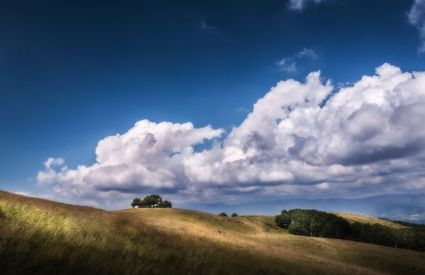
pixel 234 215
pixel 298 228
pixel 283 220
pixel 317 225
pixel 336 227
pixel 300 222
pixel 165 204
pixel 222 214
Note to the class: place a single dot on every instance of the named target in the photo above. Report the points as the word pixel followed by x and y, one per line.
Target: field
pixel 40 236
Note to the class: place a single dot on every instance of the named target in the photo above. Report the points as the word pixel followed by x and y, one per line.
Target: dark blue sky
pixel 73 72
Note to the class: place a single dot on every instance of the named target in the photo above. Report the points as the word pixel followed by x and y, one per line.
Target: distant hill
pixel 371 220
pixel 41 236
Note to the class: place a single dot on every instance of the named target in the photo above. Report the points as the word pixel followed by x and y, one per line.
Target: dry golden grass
pixel 367 219
pixel 260 235
pixel 49 237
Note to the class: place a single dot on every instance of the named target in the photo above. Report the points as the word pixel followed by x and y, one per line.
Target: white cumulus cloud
pixel 149 155
pixel 300 138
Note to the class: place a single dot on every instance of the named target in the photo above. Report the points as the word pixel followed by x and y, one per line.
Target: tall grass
pixel 39 236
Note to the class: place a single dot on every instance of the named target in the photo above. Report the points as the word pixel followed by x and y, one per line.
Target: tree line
pixel 311 222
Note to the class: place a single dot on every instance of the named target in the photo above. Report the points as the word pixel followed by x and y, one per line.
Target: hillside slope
pixel 350 217
pixel 40 236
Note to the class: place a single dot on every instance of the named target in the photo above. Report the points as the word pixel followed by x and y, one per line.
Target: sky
pixel 248 106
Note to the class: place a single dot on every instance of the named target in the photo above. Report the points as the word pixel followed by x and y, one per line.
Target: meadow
pixel 45 237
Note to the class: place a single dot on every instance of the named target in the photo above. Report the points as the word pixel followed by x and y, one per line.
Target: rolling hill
pixel 45 237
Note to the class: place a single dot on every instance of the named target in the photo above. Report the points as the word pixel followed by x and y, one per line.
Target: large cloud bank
pixel 300 139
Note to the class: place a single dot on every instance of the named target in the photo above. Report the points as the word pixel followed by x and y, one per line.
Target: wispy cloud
pixel 305 52
pixel 416 17
pixel 242 110
pixel 301 4
pixel 289 64
pixel 207 28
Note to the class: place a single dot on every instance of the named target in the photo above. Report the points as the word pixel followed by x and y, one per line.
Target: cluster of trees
pixel 151 201
pixel 317 223
pixel 412 237
pixel 313 223
pixel 223 214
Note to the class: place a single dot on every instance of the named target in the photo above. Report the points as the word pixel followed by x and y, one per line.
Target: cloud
pixel 208 28
pixel 309 53
pixel 302 139
pixel 301 4
pixel 416 18
pixel 149 156
pixel 50 163
pixel 322 186
pixel 287 65
pixel 290 64
pixel 49 169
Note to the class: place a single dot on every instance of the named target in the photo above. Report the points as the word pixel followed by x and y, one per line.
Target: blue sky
pixel 75 72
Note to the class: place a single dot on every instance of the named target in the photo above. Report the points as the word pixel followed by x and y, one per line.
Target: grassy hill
pixel 40 236
pixel 350 217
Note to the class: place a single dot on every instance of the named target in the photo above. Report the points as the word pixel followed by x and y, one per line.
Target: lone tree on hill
pixel 151 201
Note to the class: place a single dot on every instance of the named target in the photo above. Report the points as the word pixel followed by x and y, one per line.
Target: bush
pixel 222 214
pixel 165 204
pixel 283 220
pixel 234 215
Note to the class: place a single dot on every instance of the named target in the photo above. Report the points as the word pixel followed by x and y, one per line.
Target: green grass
pixel 39 236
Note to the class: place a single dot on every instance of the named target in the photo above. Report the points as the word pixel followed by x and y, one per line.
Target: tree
pixel 152 201
pixel 234 215
pixel 222 214
pixel 137 202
